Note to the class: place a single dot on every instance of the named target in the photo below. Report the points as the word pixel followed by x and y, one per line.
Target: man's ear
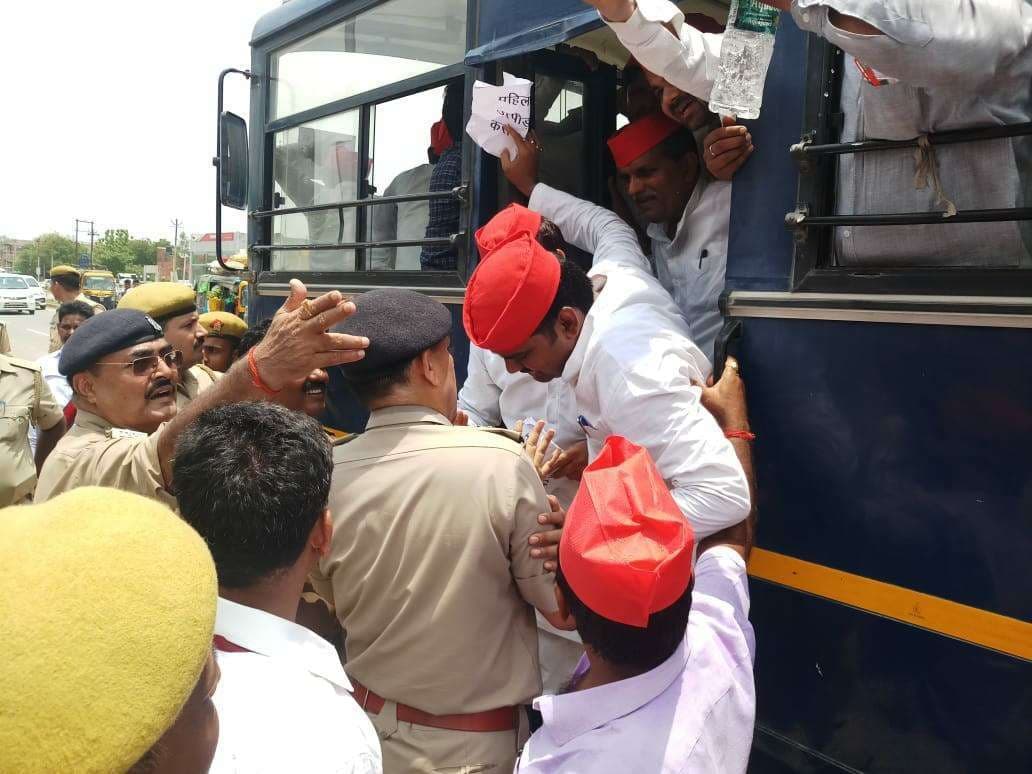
pixel 564 610
pixel 569 322
pixel 84 387
pixel 560 253
pixel 322 533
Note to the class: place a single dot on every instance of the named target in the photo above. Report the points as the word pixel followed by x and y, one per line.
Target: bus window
pixel 393 41
pixel 406 142
pixel 316 163
pixel 559 124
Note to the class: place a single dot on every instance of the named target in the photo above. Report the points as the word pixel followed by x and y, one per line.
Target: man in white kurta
pixel 627 355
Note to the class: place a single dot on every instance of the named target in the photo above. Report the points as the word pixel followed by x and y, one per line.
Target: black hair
pixel 252 336
pixel 632 71
pixel 679 144
pixel 451 111
pixel 550 237
pixel 68 281
pixel 574 290
pixel 253 479
pixel 85 311
pixel 372 386
pixel 630 646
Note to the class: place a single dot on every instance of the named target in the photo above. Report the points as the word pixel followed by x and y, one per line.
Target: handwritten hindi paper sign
pixel 495 107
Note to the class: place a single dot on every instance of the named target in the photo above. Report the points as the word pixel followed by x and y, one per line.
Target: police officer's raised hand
pixel 727 148
pixel 299 340
pixel 521 171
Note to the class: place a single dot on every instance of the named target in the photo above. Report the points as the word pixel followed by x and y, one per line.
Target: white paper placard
pixel 495 107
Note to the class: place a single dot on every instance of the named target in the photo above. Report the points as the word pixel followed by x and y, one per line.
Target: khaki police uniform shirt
pixel 429 570
pixel 55 340
pixel 5 340
pixel 95 453
pixel 24 399
pixel 192 382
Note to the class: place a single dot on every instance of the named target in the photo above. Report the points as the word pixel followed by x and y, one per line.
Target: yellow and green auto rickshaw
pixel 99 285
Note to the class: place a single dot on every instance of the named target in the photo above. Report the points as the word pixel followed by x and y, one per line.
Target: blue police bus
pixel 892 403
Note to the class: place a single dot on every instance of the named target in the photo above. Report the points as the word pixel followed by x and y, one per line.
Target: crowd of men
pixel 542 572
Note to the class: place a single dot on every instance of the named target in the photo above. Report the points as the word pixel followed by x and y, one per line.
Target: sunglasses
pixel 145 366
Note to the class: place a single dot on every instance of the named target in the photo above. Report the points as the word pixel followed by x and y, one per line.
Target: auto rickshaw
pixel 99 285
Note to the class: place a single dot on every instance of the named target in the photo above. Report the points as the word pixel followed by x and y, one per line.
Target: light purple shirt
pixel 692 713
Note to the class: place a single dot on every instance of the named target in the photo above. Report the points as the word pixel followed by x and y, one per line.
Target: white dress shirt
pixel 633 367
pixel 956 64
pixel 691 266
pixel 284 702
pixel 492 397
pixel 693 714
pixel 59 388
pixel 404 220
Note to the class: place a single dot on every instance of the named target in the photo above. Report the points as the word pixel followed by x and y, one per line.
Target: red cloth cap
pixel 639 137
pixel 626 549
pixel 509 293
pixel 512 220
pixel 440 137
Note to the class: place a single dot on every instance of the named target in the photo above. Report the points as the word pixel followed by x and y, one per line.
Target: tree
pixel 45 251
pixel 114 251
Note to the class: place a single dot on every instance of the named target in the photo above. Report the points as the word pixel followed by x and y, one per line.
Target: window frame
pixel 811 269
pixel 263 132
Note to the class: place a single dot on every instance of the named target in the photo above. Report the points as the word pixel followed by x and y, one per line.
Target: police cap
pixel 399 325
pixel 223 325
pixel 103 334
pixel 161 300
pixel 63 270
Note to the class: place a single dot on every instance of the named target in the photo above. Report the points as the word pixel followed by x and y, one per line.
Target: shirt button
pixel 806 17
pixel 847 233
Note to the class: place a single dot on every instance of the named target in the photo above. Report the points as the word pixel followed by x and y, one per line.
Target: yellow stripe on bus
pixel 952 619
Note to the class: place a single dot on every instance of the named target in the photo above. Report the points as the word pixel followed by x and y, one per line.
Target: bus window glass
pixel 316 163
pixel 403 158
pixel 395 40
pixel 559 124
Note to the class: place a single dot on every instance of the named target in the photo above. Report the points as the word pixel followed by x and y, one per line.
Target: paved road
pixel 30 334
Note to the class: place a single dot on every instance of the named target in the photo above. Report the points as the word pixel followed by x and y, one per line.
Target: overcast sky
pixel 108 112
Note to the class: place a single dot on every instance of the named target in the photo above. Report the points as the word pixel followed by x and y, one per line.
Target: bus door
pixel 891 396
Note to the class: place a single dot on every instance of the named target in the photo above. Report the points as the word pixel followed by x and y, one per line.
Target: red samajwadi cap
pixel 440 137
pixel 626 549
pixel 512 220
pixel 639 137
pixel 509 293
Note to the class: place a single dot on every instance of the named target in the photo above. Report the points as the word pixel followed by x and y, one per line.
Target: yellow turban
pixel 107 603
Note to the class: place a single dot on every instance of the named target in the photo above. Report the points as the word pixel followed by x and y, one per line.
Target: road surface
pixel 30 334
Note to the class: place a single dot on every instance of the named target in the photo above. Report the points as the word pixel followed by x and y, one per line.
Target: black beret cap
pixel 399 324
pixel 103 334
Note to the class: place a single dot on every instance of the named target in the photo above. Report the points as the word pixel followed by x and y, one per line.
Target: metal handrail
pixel 800 219
pixel 458 193
pixel 803 149
pixel 448 241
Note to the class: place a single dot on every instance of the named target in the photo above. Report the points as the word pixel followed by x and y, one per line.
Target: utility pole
pixel 92 234
pixel 175 247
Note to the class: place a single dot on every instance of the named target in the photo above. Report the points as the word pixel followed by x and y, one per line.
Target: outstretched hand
pixel 727 148
pixel 299 341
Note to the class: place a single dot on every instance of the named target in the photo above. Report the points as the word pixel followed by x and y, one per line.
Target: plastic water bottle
pixel 744 57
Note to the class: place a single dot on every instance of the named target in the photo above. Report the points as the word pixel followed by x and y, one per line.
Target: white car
pixel 16 295
pixel 38 292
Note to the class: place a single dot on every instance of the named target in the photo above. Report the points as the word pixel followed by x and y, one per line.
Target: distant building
pixel 9 249
pixel 203 245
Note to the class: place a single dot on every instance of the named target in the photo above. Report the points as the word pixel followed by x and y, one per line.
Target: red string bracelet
pixel 256 380
pixel 745 435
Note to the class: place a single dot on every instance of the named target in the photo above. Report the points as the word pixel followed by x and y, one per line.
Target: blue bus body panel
pixel 896 452
pixel 874 695
pixel 759 246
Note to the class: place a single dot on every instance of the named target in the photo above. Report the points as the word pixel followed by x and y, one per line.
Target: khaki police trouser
pixel 412 749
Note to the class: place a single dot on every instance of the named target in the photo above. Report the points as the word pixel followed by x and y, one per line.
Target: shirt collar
pixel 574 363
pixel 405 415
pixel 269 635
pixel 569 715
pixel 90 421
pixel 5 365
pixel 657 231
